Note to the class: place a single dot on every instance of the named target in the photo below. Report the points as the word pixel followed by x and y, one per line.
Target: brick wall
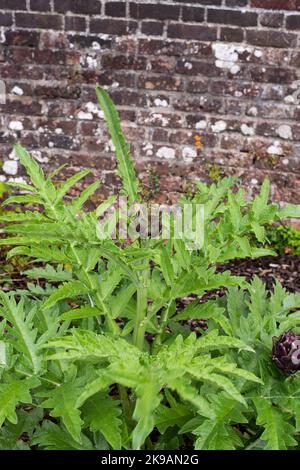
pixel 203 87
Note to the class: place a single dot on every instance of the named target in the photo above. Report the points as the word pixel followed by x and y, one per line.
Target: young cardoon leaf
pixel 90 389
pixel 102 413
pixel 177 414
pixel 197 311
pixel 292 321
pixel 234 210
pixel 52 437
pixel 82 344
pixel 85 195
pixel 219 381
pixel 34 171
pixel 189 393
pixel 125 165
pixel 218 434
pixel 183 255
pixel 68 290
pixel 22 329
pixel 82 312
pixel 62 401
pixel 28 421
pixel 212 341
pixel 13 393
pixel 224 367
pixel 166 266
pixel 23 217
pixel 49 273
pixel 69 183
pixel 258 302
pixel 23 186
pixel 292 301
pixel 118 302
pixel 290 211
pixel 148 399
pixel 261 200
pixel 278 431
pixel 28 199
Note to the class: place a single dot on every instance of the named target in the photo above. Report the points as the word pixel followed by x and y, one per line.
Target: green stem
pixel 127 408
pixel 164 320
pixel 141 310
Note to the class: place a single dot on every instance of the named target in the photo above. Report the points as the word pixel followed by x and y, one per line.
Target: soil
pixel 285 268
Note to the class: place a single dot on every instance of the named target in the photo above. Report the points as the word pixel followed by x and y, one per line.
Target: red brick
pixel 25 106
pixel 117 9
pixel 271 20
pixel 236 3
pixel 70 92
pixel 112 26
pixel 193 14
pixel 33 21
pixel 162 64
pixel 124 62
pixel 162 82
pixel 21 55
pixel 40 5
pixel 75 23
pixel 276 4
pixel 13 5
pixel 151 10
pixel 85 7
pixel 232 17
pixel 6 19
pixel 22 38
pixel 202 2
pixel 232 34
pixel 270 38
pixel 152 28
pixel 188 31
pixel 128 98
pixel 197 85
pixel 293 22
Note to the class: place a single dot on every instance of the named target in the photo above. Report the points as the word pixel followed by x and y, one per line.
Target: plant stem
pixel 163 323
pixel 127 408
pixel 141 310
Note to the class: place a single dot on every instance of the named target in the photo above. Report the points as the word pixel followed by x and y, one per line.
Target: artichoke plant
pixel 286 352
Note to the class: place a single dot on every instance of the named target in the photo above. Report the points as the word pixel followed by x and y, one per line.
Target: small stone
pixel 219 126
pixel 285 132
pixel 166 152
pixel 189 153
pixel 275 149
pixel 160 103
pixel 289 99
pixel 86 116
pixel 10 167
pixel 15 125
pixel 17 91
pixel 235 69
pixel 253 111
pixel 247 130
pixel 96 46
pixel 201 125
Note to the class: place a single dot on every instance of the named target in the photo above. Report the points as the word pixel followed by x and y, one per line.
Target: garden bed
pixel 285 268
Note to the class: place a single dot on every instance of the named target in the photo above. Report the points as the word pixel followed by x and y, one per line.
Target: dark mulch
pixel 285 268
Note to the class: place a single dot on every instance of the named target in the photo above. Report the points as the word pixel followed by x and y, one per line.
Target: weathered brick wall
pixel 203 87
